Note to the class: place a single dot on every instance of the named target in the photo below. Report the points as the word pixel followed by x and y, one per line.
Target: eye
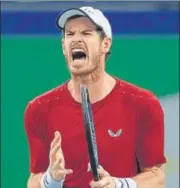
pixel 87 33
pixel 69 34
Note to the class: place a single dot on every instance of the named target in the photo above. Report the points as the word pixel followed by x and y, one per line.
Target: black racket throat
pixel 90 132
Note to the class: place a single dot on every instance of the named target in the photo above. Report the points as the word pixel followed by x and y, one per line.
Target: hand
pixel 57 162
pixel 106 181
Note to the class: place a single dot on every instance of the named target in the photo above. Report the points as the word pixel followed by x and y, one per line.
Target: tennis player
pixel 129 120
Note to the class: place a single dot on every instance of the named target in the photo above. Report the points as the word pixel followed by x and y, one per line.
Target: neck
pixel 98 87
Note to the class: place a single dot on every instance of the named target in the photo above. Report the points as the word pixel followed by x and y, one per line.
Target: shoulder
pixel 41 103
pixel 131 89
pixel 141 98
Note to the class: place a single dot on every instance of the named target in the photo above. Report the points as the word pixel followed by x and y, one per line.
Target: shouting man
pixel 128 120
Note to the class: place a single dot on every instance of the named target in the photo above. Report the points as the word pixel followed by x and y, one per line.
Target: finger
pixel 68 171
pixel 60 155
pixel 102 173
pixel 105 182
pixel 56 139
pixel 54 150
pixel 57 164
pixel 89 167
pixel 64 172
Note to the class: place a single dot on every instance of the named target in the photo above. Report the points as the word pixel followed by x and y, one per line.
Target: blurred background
pixel 145 52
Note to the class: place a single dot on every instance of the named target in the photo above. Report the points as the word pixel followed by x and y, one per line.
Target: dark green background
pixel 33 65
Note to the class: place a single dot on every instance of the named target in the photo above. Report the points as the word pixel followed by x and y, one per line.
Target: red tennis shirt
pixel 129 126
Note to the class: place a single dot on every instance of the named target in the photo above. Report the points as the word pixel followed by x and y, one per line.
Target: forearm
pixel 34 181
pixel 44 180
pixel 151 178
pixel 154 177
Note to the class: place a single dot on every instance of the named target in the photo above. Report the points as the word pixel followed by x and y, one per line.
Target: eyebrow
pixel 86 30
pixel 68 30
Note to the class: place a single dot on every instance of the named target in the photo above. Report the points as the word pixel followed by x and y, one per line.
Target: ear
pixel 63 46
pixel 106 45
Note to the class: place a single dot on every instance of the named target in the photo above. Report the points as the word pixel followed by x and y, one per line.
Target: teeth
pixel 77 50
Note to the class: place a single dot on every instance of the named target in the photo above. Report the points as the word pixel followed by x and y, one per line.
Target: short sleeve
pixel 150 147
pixel 39 157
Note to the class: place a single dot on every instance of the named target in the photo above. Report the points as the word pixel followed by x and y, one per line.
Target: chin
pixel 79 72
pixel 83 71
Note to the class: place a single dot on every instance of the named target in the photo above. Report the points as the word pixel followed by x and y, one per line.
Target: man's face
pixel 83 46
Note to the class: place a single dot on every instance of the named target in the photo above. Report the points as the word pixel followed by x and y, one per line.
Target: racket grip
pixel 96 177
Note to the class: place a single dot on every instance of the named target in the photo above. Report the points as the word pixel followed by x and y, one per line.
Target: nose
pixel 77 37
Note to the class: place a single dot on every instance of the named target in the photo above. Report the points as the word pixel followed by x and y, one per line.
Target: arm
pixel 34 180
pixel 151 177
pixel 150 152
pixel 47 165
pixel 56 172
pixel 39 158
pixel 150 148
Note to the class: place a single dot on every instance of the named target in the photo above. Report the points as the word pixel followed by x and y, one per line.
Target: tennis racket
pixel 90 132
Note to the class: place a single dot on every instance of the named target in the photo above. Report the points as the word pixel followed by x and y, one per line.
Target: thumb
pixel 102 173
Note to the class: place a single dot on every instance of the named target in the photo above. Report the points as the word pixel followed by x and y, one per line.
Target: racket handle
pixel 96 177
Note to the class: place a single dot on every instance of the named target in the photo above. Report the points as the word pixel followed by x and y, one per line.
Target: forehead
pixel 80 23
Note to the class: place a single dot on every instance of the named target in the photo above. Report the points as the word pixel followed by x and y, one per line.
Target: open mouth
pixel 78 55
